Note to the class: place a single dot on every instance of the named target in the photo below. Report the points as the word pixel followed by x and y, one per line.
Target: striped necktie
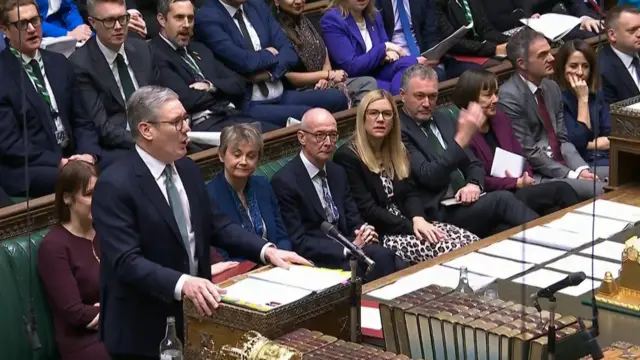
pixel 195 69
pixel 468 16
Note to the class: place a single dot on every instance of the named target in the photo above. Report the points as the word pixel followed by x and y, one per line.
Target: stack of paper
pixel 435 275
pixel 304 277
pixel 555 238
pixel 262 295
pixel 584 225
pixel 553 26
pixel 489 265
pixel 612 210
pixel 543 278
pixel 592 267
pixel 607 249
pixel 522 252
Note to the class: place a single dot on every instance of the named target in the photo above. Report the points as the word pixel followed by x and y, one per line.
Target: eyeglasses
pixel 178 124
pixel 374 114
pixel 322 136
pixel 110 23
pixel 24 23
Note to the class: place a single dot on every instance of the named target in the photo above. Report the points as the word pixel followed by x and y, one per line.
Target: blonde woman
pixel 378 170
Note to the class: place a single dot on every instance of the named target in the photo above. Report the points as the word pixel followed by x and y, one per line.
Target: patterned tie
pixel 457 178
pixel 330 209
pixel 264 90
pixel 125 78
pixel 178 214
pixel 406 29
pixel 636 65
pixel 195 69
pixel 468 16
pixel 556 152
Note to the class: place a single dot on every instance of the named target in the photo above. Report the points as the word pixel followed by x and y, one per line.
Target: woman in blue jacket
pixel 62 18
pixel 586 114
pixel 247 199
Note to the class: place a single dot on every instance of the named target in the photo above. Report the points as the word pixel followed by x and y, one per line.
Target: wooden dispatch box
pixel 327 311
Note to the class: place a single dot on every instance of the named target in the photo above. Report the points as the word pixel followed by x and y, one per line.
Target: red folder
pixel 474 59
pixel 242 268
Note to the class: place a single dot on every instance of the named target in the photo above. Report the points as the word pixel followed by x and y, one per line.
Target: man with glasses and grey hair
pixel 109 68
pixel 156 223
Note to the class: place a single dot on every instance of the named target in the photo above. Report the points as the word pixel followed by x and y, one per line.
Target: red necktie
pixel 596 7
pixel 556 152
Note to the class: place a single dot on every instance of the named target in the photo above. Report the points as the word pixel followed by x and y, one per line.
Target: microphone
pixel 333 233
pixel 572 280
pixel 590 341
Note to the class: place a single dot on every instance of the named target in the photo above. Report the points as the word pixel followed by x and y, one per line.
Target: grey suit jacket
pixel 100 93
pixel 517 101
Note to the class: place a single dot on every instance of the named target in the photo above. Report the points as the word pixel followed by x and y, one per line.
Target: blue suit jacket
pixel 579 134
pixel 43 149
pixel 143 254
pixel 215 28
pixel 220 192
pixel 62 21
pixel 617 83
pixel 303 214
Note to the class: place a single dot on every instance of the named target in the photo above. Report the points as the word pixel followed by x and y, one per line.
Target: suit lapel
pixel 256 21
pixel 523 88
pixel 622 72
pixel 57 83
pixel 307 187
pixel 140 70
pixel 355 30
pixel 103 70
pixel 416 134
pixel 337 191
pixel 458 12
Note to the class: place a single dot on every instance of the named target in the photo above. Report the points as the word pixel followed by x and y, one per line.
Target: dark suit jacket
pixel 578 132
pixel 100 92
pixel 221 193
pixel 368 193
pixel 303 214
pixel 431 172
pixel 573 7
pixel 451 17
pixel 42 149
pixel 423 19
pixel 176 75
pixel 504 14
pixel 501 126
pixel 217 30
pixel 617 83
pixel 143 254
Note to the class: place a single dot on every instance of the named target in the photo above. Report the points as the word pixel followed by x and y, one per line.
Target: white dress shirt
pixel 275 87
pixel 156 167
pixel 627 61
pixel 573 174
pixel 110 56
pixel 364 32
pixel 54 6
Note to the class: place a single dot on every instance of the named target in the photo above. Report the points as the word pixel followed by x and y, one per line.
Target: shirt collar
pixel 625 58
pixel 532 87
pixel 109 54
pixel 173 46
pixel 155 166
pixel 230 9
pixel 28 59
pixel 311 169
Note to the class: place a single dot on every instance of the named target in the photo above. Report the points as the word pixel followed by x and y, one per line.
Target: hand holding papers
pixel 553 26
pixel 505 161
pixel 436 52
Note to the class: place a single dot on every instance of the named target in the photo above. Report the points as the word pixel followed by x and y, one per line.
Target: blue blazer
pixel 215 28
pixel 42 149
pixel 617 83
pixel 579 134
pixel 220 191
pixel 143 255
pixel 62 21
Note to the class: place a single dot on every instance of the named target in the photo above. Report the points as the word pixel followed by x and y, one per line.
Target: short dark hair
pixel 471 83
pixel 519 43
pixel 165 5
pixel 7 5
pixel 562 56
pixel 73 178
pixel 613 15
pixel 91 4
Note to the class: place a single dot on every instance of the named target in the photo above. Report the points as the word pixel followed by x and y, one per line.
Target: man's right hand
pixel 202 293
pixel 469 121
pixel 523 181
pixel 501 50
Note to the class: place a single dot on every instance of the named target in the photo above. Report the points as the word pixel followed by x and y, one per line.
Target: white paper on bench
pixel 574 263
pixel 304 277
pixel 489 265
pixel 555 238
pixel 522 252
pixel 370 318
pixel 607 249
pixel 544 277
pixel 259 292
pixel 435 275
pixel 582 224
pixel 613 210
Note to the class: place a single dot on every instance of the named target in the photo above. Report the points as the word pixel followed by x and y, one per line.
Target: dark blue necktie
pixel 406 29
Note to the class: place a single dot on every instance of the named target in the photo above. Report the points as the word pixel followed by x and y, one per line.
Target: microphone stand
pixel 551 334
pixel 354 322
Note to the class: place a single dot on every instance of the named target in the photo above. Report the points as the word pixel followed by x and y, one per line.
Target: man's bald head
pixel 317 136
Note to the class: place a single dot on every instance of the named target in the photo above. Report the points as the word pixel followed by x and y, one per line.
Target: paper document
pixel 370 318
pixel 612 210
pixel 607 249
pixel 584 224
pixel 304 277
pixel 553 26
pixel 544 277
pixel 452 200
pixel 262 295
pixel 554 238
pixel 522 252
pixel 574 263
pixel 64 45
pixel 205 137
pixel 489 265
pixel 438 51
pixel 504 161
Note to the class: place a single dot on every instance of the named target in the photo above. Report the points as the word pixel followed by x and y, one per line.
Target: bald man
pixel 311 189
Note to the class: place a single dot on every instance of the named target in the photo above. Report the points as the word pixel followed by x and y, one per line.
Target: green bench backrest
pixel 18 271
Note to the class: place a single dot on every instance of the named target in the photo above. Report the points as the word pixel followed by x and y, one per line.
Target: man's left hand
pixel 202 85
pixel 84 157
pixel 589 24
pixel 587 175
pixel 470 193
pixel 282 258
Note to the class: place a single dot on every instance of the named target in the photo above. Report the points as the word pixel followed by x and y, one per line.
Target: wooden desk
pixel 624 149
pixel 613 326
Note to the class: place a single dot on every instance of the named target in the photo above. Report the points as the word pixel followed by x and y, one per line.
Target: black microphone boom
pixel 572 280
pixel 333 233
